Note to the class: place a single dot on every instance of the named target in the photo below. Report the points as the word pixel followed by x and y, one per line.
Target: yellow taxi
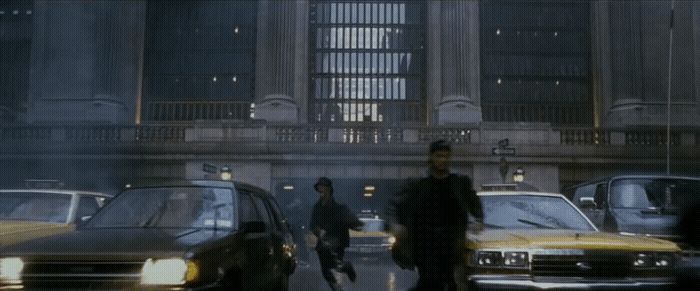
pixel 539 241
pixel 372 240
pixel 33 213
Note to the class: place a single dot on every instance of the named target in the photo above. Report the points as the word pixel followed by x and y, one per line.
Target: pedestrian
pixel 429 218
pixel 330 223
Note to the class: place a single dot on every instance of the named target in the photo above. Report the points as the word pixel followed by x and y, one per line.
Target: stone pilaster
pixel 696 54
pixel 639 52
pixel 600 59
pixel 281 60
pixel 460 73
pixel 85 61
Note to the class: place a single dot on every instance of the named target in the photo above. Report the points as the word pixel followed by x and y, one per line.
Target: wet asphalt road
pixel 372 274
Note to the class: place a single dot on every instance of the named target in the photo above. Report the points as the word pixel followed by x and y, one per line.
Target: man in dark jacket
pixel 331 222
pixel 429 218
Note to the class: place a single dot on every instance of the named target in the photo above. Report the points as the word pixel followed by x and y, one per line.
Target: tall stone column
pixel 600 59
pixel 86 61
pixel 433 54
pixel 460 73
pixel 696 54
pixel 282 62
pixel 639 52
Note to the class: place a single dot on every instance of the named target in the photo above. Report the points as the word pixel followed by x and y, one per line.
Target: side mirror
pixel 587 203
pixel 83 220
pixel 253 227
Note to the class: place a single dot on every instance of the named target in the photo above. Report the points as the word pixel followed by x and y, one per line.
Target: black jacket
pixel 404 207
pixel 336 219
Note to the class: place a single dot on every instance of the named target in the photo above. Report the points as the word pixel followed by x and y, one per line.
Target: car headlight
pixel 658 260
pixel 502 259
pixel 168 272
pixel 515 259
pixel 11 270
pixel 391 240
pixel 664 260
pixel 644 261
pixel 489 259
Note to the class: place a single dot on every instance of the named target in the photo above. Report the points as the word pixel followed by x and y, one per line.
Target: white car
pixel 33 213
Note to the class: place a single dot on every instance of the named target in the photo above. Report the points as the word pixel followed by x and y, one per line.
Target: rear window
pixel 647 193
pixel 35 206
pixel 372 225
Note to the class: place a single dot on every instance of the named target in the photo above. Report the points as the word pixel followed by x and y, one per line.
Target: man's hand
pixel 476 226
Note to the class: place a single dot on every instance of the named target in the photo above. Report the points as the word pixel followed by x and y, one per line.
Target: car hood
pixel 12 232
pixel 565 239
pixel 115 242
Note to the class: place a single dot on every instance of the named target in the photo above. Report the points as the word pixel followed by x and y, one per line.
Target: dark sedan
pixel 190 235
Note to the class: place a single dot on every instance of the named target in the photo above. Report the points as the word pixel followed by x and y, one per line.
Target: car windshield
pixel 531 212
pixel 35 206
pixel 171 207
pixel 372 225
pixel 653 193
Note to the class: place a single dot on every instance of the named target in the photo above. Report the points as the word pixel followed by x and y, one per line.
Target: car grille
pixel 82 273
pixel 367 241
pixel 582 266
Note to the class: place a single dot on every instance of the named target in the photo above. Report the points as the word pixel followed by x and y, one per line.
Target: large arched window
pixel 15 49
pixel 199 60
pixel 535 58
pixel 367 62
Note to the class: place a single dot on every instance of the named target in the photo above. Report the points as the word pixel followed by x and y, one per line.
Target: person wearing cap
pixel 429 218
pixel 330 223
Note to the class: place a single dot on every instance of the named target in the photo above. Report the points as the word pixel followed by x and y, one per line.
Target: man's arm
pixel 473 201
pixel 350 219
pixel 314 223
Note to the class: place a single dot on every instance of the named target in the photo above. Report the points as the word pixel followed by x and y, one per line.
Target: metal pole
pixel 668 93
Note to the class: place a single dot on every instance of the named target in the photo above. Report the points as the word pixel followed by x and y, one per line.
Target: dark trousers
pixel 330 258
pixel 435 261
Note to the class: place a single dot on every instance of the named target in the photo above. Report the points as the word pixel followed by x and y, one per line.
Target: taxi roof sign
pixel 43 184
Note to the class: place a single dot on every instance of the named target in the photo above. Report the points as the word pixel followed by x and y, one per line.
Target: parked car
pixel 33 213
pixel 372 240
pixel 181 235
pixel 636 205
pixel 536 241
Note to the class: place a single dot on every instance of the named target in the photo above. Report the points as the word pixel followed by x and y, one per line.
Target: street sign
pixel 209 168
pixel 503 151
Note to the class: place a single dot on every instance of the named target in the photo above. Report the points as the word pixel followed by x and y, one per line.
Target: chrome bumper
pixel 523 283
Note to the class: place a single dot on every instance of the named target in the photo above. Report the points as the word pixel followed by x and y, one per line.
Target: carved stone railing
pixel 584 136
pixel 242 132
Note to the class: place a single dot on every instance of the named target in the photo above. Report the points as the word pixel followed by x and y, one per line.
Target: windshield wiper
pixel 536 224
pixel 488 225
pixel 158 213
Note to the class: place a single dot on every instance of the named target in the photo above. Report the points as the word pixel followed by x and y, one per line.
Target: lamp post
pixel 226 173
pixel 503 168
pixel 668 92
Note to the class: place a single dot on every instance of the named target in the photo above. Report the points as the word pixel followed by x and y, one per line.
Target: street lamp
pixel 226 173
pixel 519 175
